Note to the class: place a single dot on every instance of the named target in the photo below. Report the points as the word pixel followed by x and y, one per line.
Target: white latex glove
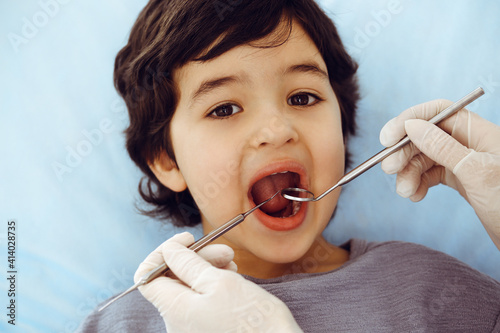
pixel 204 298
pixel 467 159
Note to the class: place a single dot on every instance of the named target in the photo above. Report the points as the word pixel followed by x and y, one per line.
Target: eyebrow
pixel 210 85
pixel 309 67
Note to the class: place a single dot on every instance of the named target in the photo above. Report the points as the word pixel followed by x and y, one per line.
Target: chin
pixel 284 249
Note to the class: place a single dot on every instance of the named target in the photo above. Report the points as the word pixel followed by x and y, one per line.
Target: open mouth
pixel 266 187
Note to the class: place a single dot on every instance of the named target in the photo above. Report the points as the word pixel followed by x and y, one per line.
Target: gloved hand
pixel 204 298
pixel 467 159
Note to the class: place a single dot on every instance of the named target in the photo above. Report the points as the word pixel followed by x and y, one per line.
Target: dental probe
pixel 299 194
pixel 196 246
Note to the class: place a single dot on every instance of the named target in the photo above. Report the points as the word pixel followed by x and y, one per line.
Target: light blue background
pixel 79 237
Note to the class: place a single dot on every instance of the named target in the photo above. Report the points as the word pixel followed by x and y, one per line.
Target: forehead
pixel 273 55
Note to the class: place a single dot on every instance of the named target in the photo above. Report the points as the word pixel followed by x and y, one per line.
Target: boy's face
pixel 245 115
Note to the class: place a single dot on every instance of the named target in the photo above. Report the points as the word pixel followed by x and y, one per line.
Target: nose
pixel 274 129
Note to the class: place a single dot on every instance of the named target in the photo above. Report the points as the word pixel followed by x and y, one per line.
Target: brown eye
pixel 225 111
pixel 302 99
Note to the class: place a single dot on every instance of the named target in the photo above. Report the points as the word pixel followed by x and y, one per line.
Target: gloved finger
pixel 231 267
pixel 155 258
pixel 435 143
pixel 218 255
pixel 409 179
pixel 162 290
pixel 187 265
pixel 394 130
pixel 170 296
pixel 398 160
pixel 431 177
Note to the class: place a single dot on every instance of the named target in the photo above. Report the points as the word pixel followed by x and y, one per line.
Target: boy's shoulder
pixel 132 313
pixel 397 250
pixel 421 266
pixel 411 257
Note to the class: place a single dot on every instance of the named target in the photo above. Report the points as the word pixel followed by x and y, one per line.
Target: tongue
pixel 268 186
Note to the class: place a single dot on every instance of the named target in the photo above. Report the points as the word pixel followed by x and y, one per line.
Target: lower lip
pixel 282 224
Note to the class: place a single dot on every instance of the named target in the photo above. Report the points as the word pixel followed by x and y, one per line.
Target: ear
pixel 168 173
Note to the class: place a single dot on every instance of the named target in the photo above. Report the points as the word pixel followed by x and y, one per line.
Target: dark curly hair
pixel 170 33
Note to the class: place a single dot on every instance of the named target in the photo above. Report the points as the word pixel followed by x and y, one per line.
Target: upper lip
pixel 281 166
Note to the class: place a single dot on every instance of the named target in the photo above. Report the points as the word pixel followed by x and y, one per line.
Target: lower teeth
pixel 295 209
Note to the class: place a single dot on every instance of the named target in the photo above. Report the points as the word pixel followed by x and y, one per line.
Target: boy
pixel 227 106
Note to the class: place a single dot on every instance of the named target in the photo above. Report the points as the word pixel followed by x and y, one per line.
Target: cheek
pixel 333 152
pixel 327 149
pixel 328 146
pixel 209 168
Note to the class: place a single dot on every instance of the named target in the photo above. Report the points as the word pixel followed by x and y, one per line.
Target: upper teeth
pixel 278 173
